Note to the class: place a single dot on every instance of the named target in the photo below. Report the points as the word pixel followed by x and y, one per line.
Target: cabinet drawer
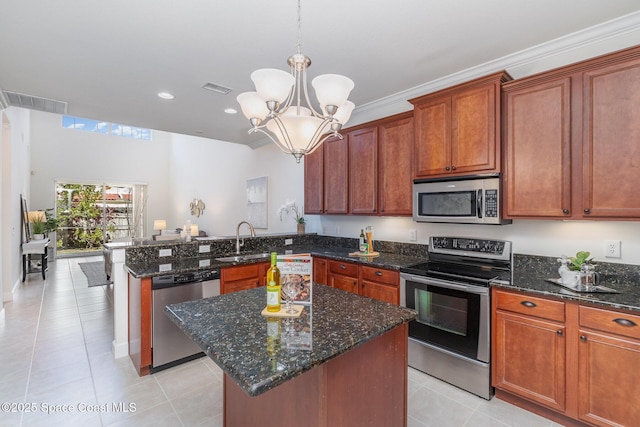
pixel 389 277
pixel 613 322
pixel 530 305
pixel 240 273
pixel 344 268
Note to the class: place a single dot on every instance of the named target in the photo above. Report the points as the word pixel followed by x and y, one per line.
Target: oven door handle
pixel 479 204
pixel 448 285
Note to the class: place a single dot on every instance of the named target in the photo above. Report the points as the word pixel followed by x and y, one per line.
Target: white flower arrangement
pixel 288 207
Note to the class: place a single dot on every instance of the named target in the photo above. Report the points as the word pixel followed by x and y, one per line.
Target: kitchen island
pixel 342 362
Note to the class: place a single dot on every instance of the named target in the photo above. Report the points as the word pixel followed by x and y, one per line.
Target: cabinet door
pixel 379 291
pixel 537 166
pixel 336 176
pixel 320 271
pixel 473 126
pixel 346 283
pixel 529 358
pixel 395 173
pixel 432 127
pixel 363 171
pixel 233 279
pixel 313 182
pixel 609 380
pixel 611 141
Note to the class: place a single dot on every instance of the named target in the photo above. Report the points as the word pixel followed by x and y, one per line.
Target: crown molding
pixel 600 39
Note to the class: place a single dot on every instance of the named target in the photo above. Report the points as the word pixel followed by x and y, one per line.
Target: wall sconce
pixel 197 207
pixel 160 224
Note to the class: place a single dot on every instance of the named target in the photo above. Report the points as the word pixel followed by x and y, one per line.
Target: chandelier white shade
pixel 277 108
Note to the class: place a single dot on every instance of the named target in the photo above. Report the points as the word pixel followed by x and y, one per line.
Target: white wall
pixel 217 173
pixel 15 142
pixel 87 157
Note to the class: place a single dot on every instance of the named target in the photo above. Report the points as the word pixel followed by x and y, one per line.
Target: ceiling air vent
pixel 217 88
pixel 15 99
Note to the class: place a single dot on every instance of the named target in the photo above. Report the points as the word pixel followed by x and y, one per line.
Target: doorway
pixel 93 214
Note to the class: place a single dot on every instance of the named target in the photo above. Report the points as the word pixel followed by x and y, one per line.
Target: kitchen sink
pixel 237 258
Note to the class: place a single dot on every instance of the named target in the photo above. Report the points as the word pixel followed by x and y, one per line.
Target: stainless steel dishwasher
pixel 170 345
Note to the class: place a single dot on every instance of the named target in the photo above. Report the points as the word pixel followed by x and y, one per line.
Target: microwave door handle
pixel 479 204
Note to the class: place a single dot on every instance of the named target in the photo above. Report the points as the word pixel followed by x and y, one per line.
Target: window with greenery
pixel 97 126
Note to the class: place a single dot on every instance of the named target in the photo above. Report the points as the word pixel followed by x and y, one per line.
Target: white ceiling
pixel 109 59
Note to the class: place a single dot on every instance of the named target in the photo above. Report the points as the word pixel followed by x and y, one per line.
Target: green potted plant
pixel 38 227
pixel 290 206
pixel 51 223
pixel 575 263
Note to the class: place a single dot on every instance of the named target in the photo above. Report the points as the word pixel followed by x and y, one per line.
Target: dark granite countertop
pixel 153 268
pixel 530 274
pixel 231 331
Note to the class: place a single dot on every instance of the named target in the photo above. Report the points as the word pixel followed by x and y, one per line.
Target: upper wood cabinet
pixel 314 182
pixel 363 171
pixel 457 130
pixel 336 176
pixel 395 166
pixel 571 141
pixel 368 172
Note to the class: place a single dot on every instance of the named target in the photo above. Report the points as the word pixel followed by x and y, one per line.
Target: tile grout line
pixel 33 351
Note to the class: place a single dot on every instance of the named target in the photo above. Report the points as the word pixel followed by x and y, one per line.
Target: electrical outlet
pixel 612 248
pixel 164 252
pixel 413 235
pixel 337 230
pixel 288 241
pixel 204 249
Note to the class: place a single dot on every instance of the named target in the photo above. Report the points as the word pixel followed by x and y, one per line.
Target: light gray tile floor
pixel 57 369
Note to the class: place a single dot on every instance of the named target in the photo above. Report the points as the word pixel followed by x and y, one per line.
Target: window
pixel 70 122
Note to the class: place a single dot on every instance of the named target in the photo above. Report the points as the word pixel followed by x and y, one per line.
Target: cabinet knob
pixel 453 168
pixel 342 266
pixel 559 333
pixel 565 211
pixel 447 168
pixel 583 338
pixel 378 273
pixel 587 210
pixel 528 304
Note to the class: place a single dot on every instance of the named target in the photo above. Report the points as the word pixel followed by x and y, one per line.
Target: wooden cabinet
pixel 380 284
pixel 343 275
pixel 571 141
pixel 565 360
pixel 395 166
pixel 336 176
pixel 320 270
pixel 608 361
pixel 372 282
pixel 314 182
pixel 457 130
pixel 140 323
pixel 529 351
pixel 239 278
pixel 363 171
pixel 369 172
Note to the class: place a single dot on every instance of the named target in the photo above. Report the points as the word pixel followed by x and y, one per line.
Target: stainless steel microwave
pixel 464 200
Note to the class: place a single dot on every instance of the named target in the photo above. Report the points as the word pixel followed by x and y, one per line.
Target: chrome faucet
pixel 238 243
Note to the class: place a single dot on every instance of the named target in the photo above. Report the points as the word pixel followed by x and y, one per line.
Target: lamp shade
pixel 273 84
pixel 194 230
pixel 332 89
pixel 252 105
pixel 36 216
pixel 300 128
pixel 159 224
pixel 344 112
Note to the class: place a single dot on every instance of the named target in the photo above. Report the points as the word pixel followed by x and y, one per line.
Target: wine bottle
pixel 363 246
pixel 273 285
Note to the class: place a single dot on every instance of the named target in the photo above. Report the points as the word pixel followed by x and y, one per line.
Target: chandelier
pixel 276 108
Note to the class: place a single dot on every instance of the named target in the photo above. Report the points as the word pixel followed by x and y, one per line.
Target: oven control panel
pixel 470 246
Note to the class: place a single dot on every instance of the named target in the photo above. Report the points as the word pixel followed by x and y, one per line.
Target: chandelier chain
pixel 299 43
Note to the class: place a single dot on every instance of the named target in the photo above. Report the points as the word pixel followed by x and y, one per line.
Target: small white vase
pixel 38 236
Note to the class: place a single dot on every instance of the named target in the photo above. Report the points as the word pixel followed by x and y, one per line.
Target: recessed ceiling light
pixel 230 110
pixel 165 95
pixel 199 131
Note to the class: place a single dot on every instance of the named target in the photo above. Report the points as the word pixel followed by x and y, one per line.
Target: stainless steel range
pixel 451 336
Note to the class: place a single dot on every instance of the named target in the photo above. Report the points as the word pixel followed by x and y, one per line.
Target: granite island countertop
pixel 232 332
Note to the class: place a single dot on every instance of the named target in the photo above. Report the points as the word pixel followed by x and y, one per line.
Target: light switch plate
pixel 203 249
pixel 288 241
pixel 204 263
pixel 164 267
pixel 413 235
pixel 164 252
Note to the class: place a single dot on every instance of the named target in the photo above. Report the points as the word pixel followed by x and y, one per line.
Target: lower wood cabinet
pixel 566 361
pixel 239 278
pixel 372 282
